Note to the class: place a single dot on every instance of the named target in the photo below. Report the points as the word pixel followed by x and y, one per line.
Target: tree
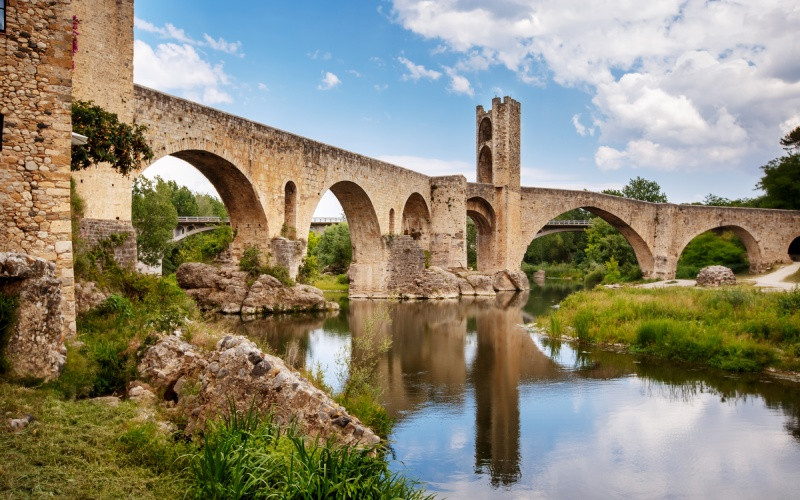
pixel 709 249
pixel 644 190
pixel 781 180
pixel 210 206
pixel 184 200
pixel 154 217
pixel 109 140
pixel 603 243
pixel 791 141
pixel 334 250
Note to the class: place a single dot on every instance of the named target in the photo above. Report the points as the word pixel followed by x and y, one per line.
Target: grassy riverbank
pixel 81 444
pixel 736 329
pixel 100 449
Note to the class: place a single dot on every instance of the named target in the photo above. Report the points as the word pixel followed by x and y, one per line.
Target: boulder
pixel 231 291
pixel 203 386
pixel 476 284
pixel 431 283
pixel 715 276
pixel 35 348
pixel 88 296
pixel 510 281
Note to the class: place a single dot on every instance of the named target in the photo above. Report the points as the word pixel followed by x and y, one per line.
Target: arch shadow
pixel 417 220
pixel 482 214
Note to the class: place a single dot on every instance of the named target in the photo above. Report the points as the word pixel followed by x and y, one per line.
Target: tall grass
pixel 248 456
pixel 733 329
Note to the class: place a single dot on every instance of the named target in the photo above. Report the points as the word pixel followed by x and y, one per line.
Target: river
pixel 487 409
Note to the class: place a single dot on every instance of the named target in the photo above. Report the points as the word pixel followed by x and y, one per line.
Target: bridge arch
pixel 417 220
pixel 794 249
pixel 483 215
pixel 750 243
pixel 367 266
pixel 241 199
pixel 606 207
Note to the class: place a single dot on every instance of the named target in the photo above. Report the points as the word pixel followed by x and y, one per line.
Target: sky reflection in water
pixel 487 409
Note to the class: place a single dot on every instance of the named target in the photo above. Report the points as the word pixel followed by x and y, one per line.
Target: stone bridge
pixel 271 182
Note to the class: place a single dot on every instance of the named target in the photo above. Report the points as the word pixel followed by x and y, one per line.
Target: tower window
pixel 2 15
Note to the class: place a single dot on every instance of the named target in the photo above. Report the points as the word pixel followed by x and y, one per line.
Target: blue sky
pixel 691 94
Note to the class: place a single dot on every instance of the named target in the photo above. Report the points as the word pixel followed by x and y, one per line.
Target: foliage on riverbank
pixel 332 282
pixel 736 329
pixel 75 447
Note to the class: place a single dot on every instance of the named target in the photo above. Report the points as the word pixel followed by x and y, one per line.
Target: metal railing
pixel 217 220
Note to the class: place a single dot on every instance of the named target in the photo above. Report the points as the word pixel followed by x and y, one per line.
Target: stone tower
pixel 498 165
pixel 104 74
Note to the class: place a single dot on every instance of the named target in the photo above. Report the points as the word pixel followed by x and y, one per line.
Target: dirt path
pixel 774 280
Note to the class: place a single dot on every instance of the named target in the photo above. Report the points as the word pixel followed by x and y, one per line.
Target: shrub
pixel 593 278
pixel 252 262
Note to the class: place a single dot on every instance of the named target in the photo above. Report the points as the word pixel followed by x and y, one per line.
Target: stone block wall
pixel 94 231
pixel 288 253
pixel 35 100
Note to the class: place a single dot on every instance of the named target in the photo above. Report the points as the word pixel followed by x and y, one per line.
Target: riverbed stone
pixel 202 386
pixel 228 290
pixel 715 276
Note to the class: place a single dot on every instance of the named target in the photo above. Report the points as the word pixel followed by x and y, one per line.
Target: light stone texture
pixel 203 385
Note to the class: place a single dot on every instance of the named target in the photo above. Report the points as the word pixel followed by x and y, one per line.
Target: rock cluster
pixel 204 385
pixel 229 291
pixel 35 347
pixel 715 276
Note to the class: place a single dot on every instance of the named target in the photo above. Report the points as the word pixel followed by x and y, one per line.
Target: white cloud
pixel 458 83
pixel 329 81
pixel 676 84
pixel 318 54
pixel 379 88
pixel 170 31
pixel 263 86
pixel 223 46
pixel 580 128
pixel 417 71
pixel 173 67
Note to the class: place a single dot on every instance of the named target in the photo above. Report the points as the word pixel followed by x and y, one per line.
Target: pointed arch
pixel 485 165
pixel 417 220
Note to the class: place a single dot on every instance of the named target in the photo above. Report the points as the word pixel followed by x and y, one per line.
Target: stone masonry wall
pixel 93 231
pixel 104 74
pixel 35 99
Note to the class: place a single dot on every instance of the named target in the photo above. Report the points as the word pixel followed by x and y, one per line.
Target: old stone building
pixel 35 99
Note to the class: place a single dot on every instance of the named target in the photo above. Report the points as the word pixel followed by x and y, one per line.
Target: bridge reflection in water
pixel 468 384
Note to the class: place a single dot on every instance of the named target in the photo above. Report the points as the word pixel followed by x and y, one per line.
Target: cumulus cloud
pixel 172 32
pixel 676 84
pixel 220 44
pixel 458 83
pixel 174 67
pixel 329 81
pixel 415 72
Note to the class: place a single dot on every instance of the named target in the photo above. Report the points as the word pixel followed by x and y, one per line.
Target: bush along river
pixel 485 409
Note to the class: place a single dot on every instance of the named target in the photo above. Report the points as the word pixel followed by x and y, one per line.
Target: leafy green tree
pixel 644 190
pixel 210 206
pixel 154 217
pixel 712 249
pixel 109 140
pixel 719 201
pixel 201 247
pixel 334 249
pixel 184 200
pixel 781 182
pixel 309 269
pixel 604 242
pixel 791 141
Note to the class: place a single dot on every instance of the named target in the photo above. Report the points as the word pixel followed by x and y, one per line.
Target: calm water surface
pixel 485 409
